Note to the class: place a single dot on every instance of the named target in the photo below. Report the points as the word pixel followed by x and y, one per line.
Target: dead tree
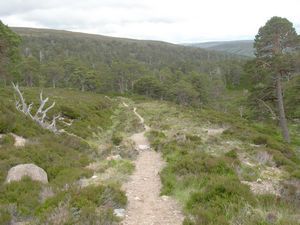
pixel 41 114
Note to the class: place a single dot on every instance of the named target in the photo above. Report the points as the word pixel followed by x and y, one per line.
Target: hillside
pixel 92 129
pixel 97 48
pixel 54 58
pixel 243 47
pixel 206 154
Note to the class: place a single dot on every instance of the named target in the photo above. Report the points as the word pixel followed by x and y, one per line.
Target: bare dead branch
pixel 53 123
pixel 23 103
pixel 41 114
pixel 46 110
pixel 42 104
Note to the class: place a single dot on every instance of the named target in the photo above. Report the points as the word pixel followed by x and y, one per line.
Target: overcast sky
pixel 168 20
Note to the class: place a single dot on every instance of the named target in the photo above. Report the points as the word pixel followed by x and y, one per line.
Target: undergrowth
pixel 208 185
pixel 64 157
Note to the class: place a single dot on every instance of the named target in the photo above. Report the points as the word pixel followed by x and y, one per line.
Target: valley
pixel 103 130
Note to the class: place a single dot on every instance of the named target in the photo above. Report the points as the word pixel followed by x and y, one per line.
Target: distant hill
pixel 96 62
pixel 50 44
pixel 242 47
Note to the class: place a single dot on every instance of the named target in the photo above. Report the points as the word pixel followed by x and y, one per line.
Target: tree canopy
pixel 275 37
pixel 9 53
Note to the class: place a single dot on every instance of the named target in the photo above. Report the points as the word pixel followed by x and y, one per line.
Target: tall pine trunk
pixel 280 106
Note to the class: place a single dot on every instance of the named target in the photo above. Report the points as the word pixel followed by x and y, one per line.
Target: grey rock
pixel 34 172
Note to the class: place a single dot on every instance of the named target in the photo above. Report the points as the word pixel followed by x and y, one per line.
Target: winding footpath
pixel 145 205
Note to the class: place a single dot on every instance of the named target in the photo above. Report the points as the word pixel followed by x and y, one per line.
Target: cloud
pixel 26 6
pixel 168 20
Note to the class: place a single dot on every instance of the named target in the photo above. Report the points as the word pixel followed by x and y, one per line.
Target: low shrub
pixel 281 160
pixel 199 162
pixel 194 138
pixel 169 181
pixel 156 139
pixel 7 140
pixel 117 138
pixel 207 185
pixel 285 206
pixel 80 205
pixel 69 175
pixel 7 122
pixel 248 173
pixel 260 140
pixel 69 112
pixel 64 157
pixel 219 200
pixel 296 173
pixel 24 193
pixel 208 217
pixel 95 196
pixel 5 217
pixel 232 154
pixel 122 166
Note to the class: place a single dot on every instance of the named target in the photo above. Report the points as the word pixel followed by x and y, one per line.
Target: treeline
pixel 184 85
pixel 112 65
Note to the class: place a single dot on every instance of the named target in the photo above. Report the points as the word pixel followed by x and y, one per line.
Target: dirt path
pixel 145 205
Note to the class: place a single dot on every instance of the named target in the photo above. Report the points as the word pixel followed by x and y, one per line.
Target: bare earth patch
pixel 215 131
pixel 19 141
pixel 264 187
pixel 269 176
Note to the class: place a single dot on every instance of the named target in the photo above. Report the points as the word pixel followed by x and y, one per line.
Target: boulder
pixel 34 172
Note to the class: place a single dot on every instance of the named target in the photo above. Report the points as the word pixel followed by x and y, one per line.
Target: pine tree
pixel 274 44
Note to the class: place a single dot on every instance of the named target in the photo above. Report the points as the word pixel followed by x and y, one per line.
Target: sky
pixel 173 21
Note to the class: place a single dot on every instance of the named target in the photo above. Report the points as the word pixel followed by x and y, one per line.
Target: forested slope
pixel 49 44
pixel 106 64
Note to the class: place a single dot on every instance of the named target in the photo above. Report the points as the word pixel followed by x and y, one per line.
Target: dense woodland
pixel 113 65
